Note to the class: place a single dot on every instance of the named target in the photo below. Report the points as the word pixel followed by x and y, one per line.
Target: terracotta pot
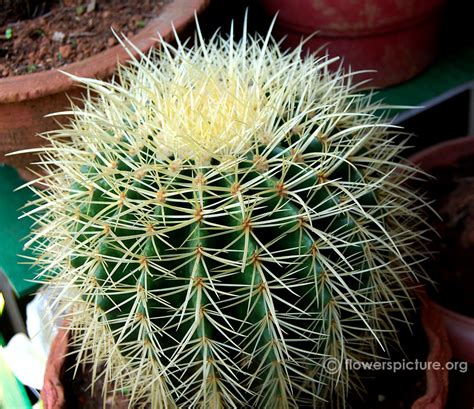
pixel 398 38
pixel 460 328
pixel 26 99
pixel 52 393
pixel 439 352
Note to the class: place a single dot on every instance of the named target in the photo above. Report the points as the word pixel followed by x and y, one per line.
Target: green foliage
pixel 81 9
pixel 31 68
pixel 222 222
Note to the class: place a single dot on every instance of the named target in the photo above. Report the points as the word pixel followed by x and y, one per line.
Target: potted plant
pixel 227 226
pixel 451 267
pixel 26 99
pixel 59 388
pixel 452 189
pixel 393 39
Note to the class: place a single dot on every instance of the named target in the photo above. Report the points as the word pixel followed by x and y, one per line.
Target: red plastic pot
pixel 435 396
pixel 26 99
pixel 460 328
pixel 397 38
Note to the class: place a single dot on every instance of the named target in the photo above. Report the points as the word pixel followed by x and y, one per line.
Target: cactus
pixel 221 221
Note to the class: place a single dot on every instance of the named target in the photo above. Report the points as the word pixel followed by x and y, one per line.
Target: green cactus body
pixel 224 222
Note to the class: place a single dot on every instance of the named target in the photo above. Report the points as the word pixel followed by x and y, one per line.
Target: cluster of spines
pixel 224 275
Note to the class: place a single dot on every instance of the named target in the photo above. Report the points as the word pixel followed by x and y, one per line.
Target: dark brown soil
pixel 396 389
pixel 453 262
pixel 70 31
pixel 78 394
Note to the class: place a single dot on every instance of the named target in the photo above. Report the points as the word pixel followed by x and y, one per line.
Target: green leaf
pixel 31 68
pixel 80 10
pixel 9 33
pixel 12 392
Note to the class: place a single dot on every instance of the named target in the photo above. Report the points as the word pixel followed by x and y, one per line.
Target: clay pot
pixel 460 328
pixel 26 99
pixel 397 38
pixel 52 393
pixel 439 351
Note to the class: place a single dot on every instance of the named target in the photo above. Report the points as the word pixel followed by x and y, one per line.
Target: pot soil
pixel 421 389
pixel 68 32
pixel 26 99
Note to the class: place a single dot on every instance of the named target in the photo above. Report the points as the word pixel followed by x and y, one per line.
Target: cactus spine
pixel 223 220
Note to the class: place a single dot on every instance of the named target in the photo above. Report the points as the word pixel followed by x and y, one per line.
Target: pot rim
pixel 430 158
pixel 456 148
pixel 444 154
pixel 465 319
pixel 328 28
pixel 437 382
pixel 380 31
pixel 176 14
